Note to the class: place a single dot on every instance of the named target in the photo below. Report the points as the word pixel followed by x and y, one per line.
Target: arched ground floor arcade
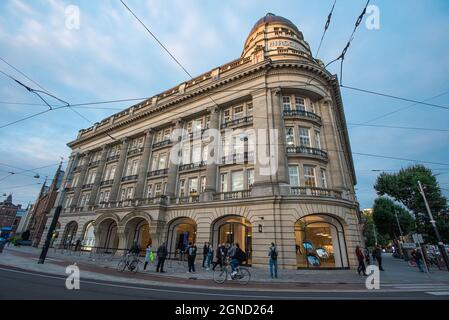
pixel 308 235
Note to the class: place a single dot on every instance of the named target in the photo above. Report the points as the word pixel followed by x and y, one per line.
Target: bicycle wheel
pixel 134 266
pixel 243 276
pixel 220 275
pixel 121 265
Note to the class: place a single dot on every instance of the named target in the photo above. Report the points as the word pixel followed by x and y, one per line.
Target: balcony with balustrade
pixel 237 122
pixel 303 115
pixel 307 151
pixel 157 173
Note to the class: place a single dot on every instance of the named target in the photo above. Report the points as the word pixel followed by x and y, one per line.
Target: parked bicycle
pixel 130 262
pixel 224 273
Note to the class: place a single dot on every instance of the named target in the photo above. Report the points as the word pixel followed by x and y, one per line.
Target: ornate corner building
pixel 129 188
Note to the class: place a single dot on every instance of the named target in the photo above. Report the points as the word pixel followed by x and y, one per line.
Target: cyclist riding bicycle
pixel 134 250
pixel 237 257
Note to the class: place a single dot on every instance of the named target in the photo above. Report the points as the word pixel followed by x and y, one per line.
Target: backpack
pixel 273 253
pixel 241 255
pixel 192 251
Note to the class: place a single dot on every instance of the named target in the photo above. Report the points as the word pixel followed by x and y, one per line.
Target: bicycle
pixel 243 276
pixel 127 263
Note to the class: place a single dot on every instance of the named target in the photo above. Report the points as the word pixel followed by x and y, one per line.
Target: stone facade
pixel 128 188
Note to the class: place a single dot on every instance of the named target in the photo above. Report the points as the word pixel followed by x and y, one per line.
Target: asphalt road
pixel 19 284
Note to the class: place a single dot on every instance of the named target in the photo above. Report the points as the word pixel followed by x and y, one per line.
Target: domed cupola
pixel 275 37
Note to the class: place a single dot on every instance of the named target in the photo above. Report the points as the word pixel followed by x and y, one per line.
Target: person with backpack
pixel 273 255
pixel 191 255
pixel 237 257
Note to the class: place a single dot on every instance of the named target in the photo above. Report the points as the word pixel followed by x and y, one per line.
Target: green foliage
pixel 384 217
pixel 403 187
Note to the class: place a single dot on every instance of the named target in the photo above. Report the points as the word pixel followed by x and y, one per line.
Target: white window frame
pixel 304 140
pixel 295 176
pixel 308 177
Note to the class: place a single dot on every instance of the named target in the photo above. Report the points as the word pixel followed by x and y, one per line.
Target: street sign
pixel 407 245
pixel 417 238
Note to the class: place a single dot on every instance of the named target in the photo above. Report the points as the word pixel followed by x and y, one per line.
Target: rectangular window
pixel 129 193
pixel 249 109
pixel 198 124
pixel 68 202
pixel 135 167
pixel 112 173
pixel 309 176
pixel 189 126
pixel 101 199
pixel 238 112
pixel 237 180
pixel 202 184
pixel 238 145
pixel 293 173
pixel 249 178
pixel 286 103
pixel 207 122
pixel 317 140
pixel 75 181
pixel 193 186
pixel 224 182
pixel 162 161
pixel 149 191
pixel 312 107
pixel 159 136
pixel 205 153
pixel 304 137
pixel 299 104
pixel 106 196
pixel 227 116
pixel 182 188
pixel 122 194
pixel 290 136
pixel 196 154
pixel 158 189
pixel 323 178
pixel 167 133
pixel 186 153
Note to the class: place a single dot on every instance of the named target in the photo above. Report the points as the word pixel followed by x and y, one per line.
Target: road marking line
pixel 439 293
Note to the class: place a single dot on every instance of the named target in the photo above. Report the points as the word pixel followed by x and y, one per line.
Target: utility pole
pixel 400 232
pixel 433 222
pixel 56 214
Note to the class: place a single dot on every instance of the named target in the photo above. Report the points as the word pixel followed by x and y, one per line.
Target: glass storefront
pixel 319 243
pixel 181 231
pixel 234 230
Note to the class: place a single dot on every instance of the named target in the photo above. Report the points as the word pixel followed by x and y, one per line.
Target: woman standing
pixel 148 255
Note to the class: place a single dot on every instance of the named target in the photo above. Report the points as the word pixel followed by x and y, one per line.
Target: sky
pixel 110 56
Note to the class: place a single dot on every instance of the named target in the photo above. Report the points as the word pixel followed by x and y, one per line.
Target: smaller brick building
pixel 8 214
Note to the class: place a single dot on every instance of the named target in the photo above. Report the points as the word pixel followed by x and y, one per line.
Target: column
pixel 81 179
pixel 270 168
pixel 213 154
pixel 330 137
pixel 119 170
pixel 100 170
pixel 174 163
pixel 139 193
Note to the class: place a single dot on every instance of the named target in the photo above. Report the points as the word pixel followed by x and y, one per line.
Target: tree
pixel 403 187
pixel 385 219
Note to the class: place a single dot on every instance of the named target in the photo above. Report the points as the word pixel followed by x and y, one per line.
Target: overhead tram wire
pixel 398 110
pixel 326 26
pixel 37 92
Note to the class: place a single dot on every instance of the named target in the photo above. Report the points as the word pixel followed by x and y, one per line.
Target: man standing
pixel 161 256
pixel 361 260
pixel 191 255
pixel 273 257
pixel 377 254
pixel 419 259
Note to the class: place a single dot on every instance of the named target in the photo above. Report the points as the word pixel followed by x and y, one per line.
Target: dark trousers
pixel 160 264
pixel 145 265
pixel 361 267
pixel 218 262
pixel 379 262
pixel 191 263
pixel 204 260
